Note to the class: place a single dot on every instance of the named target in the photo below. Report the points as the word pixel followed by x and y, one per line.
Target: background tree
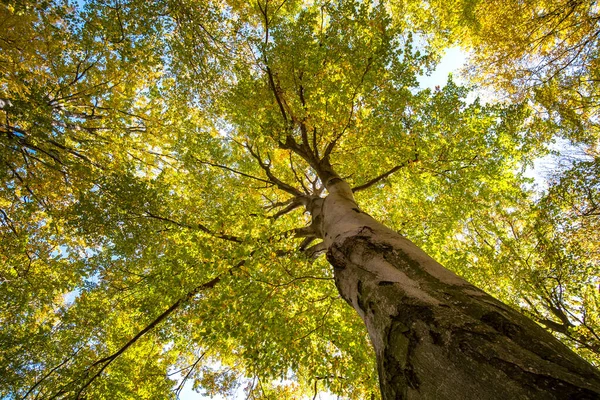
pixel 152 213
pixel 545 55
pixel 544 52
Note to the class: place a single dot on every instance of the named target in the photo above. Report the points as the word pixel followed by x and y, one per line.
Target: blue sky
pixel 451 63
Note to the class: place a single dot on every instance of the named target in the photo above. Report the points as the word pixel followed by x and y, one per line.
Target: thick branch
pixel 291 207
pixel 315 251
pixel 307 231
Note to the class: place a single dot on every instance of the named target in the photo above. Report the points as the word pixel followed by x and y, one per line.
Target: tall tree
pixel 169 186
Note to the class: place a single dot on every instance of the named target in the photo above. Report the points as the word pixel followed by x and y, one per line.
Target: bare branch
pixel 106 361
pixel 201 227
pixel 317 186
pixel 75 153
pixel 318 326
pixel 187 375
pixel 332 144
pixel 307 231
pixel 293 281
pixel 272 178
pixel 314 140
pixel 306 242
pixel 300 180
pixel 225 167
pixel 276 94
pixel 276 204
pixel 291 207
pixel 8 222
pixel 377 179
pixel 265 12
pixel 20 136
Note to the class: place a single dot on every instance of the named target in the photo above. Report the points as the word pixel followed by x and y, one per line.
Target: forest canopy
pixel 160 163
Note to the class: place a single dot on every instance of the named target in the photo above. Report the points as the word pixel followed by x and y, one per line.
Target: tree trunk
pixel 435 335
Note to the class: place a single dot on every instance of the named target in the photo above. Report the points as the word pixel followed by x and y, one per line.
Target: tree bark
pixel 435 335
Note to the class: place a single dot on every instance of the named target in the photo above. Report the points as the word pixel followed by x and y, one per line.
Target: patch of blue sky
pixel 188 393
pixel 562 153
pixel 87 283
pixel 451 63
pixel 561 157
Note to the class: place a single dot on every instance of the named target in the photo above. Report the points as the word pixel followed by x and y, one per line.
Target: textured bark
pixel 435 335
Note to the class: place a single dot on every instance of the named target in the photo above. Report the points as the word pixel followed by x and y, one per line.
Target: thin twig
pixel 377 179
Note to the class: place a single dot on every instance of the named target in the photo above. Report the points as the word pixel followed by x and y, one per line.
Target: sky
pixel 451 63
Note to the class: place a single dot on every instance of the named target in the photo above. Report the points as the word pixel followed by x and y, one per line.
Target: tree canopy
pixel 157 158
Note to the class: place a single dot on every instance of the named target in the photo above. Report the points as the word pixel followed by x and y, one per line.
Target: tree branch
pixel 307 231
pixel 300 180
pixel 106 361
pixel 187 375
pixel 272 85
pixel 272 178
pixel 225 167
pixel 377 179
pixel 315 251
pixel 291 207
pixel 49 373
pixel 306 242
pixel 332 144
pixel 203 228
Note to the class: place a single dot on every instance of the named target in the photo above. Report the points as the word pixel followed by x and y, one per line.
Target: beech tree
pixel 224 192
